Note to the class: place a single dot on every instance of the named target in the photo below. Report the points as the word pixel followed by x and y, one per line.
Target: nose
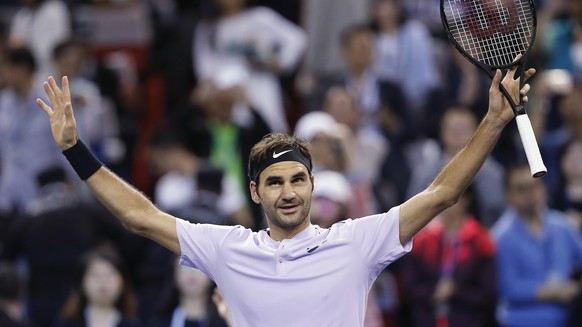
pixel 288 192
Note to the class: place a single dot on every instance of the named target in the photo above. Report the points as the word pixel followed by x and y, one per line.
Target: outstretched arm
pixel 454 178
pixel 134 210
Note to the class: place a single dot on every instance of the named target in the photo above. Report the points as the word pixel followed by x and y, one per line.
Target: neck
pixel 23 90
pixel 101 310
pixel 230 12
pixel 194 307
pixel 388 28
pixel 278 234
pixel 453 226
pixel 102 315
pixel 358 72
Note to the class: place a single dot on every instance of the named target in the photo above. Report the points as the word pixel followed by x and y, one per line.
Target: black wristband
pixel 82 160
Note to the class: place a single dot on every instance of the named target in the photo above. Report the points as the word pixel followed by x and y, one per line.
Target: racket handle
pixel 530 145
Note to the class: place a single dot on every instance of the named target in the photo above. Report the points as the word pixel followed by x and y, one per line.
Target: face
pixel 191 282
pixel 525 193
pixel 570 108
pixel 14 75
pixel 284 191
pixel 456 212
pixel 457 129
pixel 71 61
pixel 387 11
pixel 102 283
pixel 359 50
pixel 570 164
pixel 342 107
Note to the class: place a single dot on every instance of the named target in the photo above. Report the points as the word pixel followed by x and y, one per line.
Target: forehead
pixel 283 169
pixel 521 178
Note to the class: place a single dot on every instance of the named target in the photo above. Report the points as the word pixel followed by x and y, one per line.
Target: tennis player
pixel 294 273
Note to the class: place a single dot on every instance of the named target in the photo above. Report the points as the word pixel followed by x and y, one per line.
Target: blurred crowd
pixel 172 94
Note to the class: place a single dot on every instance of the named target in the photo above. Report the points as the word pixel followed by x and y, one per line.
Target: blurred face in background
pixel 358 51
pixel 102 283
pixel 571 163
pixel 70 62
pixel 457 128
pixel 387 12
pixel 525 193
pixel 15 76
pixel 570 108
pixel 341 106
pixel 191 283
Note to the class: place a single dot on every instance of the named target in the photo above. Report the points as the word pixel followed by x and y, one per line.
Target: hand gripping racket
pixel 491 34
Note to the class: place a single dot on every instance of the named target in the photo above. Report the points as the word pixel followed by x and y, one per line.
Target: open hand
pixel 61 117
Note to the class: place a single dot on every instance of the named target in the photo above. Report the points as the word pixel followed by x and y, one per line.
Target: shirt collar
pixel 309 232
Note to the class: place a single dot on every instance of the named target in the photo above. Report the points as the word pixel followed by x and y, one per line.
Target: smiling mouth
pixel 289 208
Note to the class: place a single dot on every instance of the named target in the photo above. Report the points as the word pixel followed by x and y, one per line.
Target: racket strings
pixel 493 32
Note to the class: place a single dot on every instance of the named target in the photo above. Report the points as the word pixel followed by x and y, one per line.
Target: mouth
pixel 289 208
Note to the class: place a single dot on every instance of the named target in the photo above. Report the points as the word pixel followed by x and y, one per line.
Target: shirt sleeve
pixel 378 237
pixel 200 244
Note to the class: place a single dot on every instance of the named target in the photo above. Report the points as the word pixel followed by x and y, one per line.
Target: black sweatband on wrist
pixel 82 160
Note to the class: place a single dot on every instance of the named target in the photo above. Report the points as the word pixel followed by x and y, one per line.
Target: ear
pixel 254 192
pixel 312 182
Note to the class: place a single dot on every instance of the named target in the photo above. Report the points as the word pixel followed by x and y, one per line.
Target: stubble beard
pixel 276 219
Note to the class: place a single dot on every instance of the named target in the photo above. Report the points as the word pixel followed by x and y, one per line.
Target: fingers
pixel 49 92
pixel 528 74
pixel 496 82
pixel 55 88
pixel 44 107
pixel 66 89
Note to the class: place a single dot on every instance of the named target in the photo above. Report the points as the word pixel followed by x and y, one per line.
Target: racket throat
pixel 520 110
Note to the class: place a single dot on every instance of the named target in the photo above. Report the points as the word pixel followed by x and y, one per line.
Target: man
pixel 25 146
pixel 457 126
pixel 537 254
pixel 294 273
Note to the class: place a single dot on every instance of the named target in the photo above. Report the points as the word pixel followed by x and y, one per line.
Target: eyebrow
pixel 279 178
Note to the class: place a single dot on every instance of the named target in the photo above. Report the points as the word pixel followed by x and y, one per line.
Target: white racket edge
pixel 530 145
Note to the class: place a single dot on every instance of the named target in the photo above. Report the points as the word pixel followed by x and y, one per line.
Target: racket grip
pixel 530 145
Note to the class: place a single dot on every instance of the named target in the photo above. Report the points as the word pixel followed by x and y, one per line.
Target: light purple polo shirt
pixel 320 277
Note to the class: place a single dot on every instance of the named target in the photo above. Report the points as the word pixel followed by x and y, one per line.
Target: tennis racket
pixel 491 34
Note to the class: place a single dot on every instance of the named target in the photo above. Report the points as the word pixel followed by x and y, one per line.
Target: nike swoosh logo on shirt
pixel 277 155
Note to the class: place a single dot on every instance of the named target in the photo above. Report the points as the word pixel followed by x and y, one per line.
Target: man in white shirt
pixel 294 273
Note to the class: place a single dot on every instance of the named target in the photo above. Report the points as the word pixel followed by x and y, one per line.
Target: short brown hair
pixel 275 142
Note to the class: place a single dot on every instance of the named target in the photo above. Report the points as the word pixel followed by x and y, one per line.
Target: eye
pixel 273 182
pixel 298 180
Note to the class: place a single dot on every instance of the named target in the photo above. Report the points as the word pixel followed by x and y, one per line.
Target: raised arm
pixel 135 211
pixel 454 178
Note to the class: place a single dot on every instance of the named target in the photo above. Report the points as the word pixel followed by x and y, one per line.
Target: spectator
pixel 570 129
pixel 189 301
pixel 219 125
pixel 537 254
pixel 59 222
pixel 561 35
pixel 450 274
pixel 257 41
pixel 569 197
pixel 177 185
pixel 382 103
pixel 96 114
pixel 457 126
pixel 102 295
pixel 404 53
pixel 12 309
pixel 40 25
pixel 23 151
